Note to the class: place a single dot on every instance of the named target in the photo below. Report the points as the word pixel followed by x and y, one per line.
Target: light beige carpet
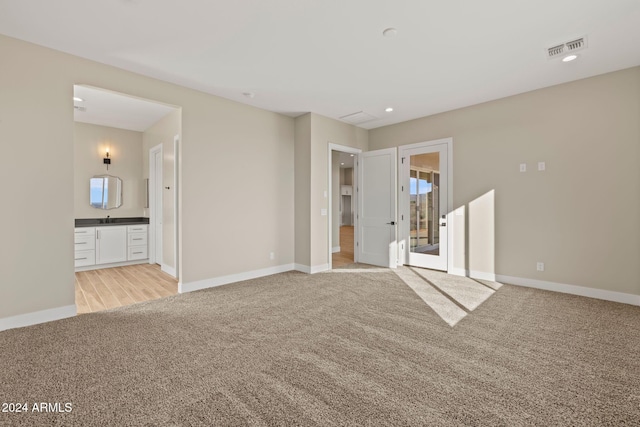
pixel 331 349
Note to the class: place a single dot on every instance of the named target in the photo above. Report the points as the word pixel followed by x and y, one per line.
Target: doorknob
pixel 392 223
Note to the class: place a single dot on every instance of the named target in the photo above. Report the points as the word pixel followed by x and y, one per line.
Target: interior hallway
pixel 345 256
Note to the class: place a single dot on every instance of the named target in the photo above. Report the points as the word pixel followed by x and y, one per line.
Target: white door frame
pixel 176 210
pixel 154 204
pixel 402 252
pixel 350 150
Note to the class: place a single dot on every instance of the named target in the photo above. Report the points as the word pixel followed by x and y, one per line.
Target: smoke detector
pixel 567 48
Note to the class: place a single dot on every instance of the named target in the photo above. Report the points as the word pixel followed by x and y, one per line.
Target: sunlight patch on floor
pixel 443 306
pixel 451 297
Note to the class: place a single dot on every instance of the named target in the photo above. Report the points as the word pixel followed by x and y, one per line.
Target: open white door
pixel 377 208
pixel 425 204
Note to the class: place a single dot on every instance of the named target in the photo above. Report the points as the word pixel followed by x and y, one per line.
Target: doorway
pixel 343 163
pixel 425 204
pixel 113 133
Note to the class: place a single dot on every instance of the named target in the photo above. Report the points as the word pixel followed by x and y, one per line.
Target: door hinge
pixel 357 243
pixel 402 217
pixel 403 188
pixel 403 160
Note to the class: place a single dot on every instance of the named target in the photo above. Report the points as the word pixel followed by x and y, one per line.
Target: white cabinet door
pixel 111 244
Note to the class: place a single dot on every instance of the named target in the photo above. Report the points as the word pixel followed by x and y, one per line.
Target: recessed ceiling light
pixel 341 164
pixel 569 58
pixel 75 98
pixel 390 32
pixel 388 109
pixel 249 94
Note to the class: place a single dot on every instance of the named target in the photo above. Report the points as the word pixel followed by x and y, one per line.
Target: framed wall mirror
pixel 105 192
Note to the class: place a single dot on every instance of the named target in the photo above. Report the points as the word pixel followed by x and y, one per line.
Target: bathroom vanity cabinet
pixel 110 246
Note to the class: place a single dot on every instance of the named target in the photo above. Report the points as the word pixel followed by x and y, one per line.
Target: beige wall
pixel 313 135
pixel 580 216
pixel 324 131
pixel 162 133
pixel 335 199
pixel 221 139
pixel 125 146
pixel 302 189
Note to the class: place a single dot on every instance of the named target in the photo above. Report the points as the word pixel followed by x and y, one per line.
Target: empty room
pixel 320 213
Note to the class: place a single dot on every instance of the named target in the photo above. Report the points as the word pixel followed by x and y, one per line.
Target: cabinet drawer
pixel 137 228
pixel 84 242
pixel 137 239
pixel 137 252
pixel 85 231
pixel 83 258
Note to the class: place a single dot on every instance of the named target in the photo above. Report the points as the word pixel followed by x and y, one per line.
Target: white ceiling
pixel 330 57
pixel 346 160
pixel 106 108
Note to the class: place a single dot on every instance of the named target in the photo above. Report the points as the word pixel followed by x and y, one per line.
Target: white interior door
pixel 424 209
pixel 377 208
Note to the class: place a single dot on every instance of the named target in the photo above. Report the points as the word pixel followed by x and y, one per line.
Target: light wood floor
pixel 345 256
pixel 115 287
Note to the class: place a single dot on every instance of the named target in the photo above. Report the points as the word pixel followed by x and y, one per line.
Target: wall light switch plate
pixel 542 166
pixel 523 167
pixel 325 194
pixel 323 212
pixel 540 266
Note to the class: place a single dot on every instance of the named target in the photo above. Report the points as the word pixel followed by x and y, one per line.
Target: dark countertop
pixel 102 222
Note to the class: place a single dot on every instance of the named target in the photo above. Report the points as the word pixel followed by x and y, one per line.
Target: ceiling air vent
pixel 358 118
pixel 83 109
pixel 575 45
pixel 556 51
pixel 567 48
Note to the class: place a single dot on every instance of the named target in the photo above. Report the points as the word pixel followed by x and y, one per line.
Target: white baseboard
pixel 232 278
pixel 458 272
pixel 482 275
pixel 319 268
pixel 302 268
pixel 571 289
pixel 335 249
pixel 169 270
pixel 114 264
pixel 38 317
pixel 311 270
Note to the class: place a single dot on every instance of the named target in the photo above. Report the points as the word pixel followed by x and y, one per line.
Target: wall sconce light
pixel 107 159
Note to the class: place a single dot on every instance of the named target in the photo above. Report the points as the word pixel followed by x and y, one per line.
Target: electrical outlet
pixel 523 167
pixel 272 255
pixel 542 166
pixel 540 266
